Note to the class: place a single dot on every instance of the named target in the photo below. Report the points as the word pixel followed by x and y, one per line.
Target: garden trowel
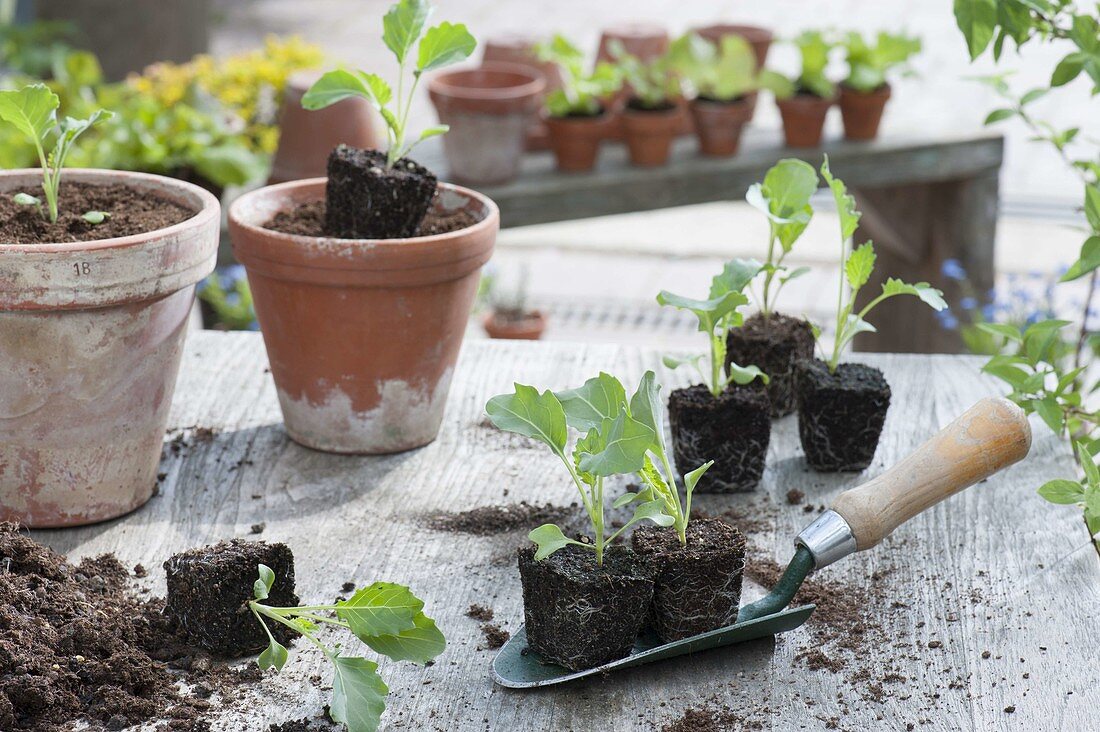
pixel 989 436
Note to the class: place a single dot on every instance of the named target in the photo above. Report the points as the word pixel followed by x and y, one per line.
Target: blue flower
pixel 969 303
pixel 989 313
pixel 947 320
pixel 953 269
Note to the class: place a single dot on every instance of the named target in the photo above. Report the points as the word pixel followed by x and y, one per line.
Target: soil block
pixel 579 614
pixel 366 200
pixel 733 430
pixel 773 344
pixel 209 589
pixel 840 416
pixel 697 588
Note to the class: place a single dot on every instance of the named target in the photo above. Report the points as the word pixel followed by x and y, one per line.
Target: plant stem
pixel 682 514
pixel 765 306
pixel 597 521
pixel 715 368
pixel 1082 335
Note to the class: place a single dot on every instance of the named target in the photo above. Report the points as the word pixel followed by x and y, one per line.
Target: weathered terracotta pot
pixel 862 111
pixel 489 110
pixel 520 49
pixel 803 119
pixel 306 138
pixel 91 335
pixel 529 328
pixel 576 140
pixel 362 335
pixel 646 41
pixel 759 38
pixel 649 135
pixel 718 125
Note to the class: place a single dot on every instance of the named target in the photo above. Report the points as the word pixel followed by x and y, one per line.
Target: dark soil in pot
pixel 131 212
pixel 209 589
pixel 308 219
pixel 697 588
pixel 840 416
pixel 774 344
pixel 367 200
pixel 733 430
pixel 579 614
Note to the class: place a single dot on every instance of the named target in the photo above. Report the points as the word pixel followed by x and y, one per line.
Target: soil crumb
pixel 490 520
pixel 714 717
pixel 480 613
pixel 795 497
pixel 495 636
pixel 308 219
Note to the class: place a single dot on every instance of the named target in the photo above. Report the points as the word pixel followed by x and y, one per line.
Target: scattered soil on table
pixel 795 497
pixel 490 520
pixel 308 219
pixel 714 716
pixel 305 724
pixel 132 212
pixel 755 517
pixel 480 613
pixel 495 636
pixel 183 438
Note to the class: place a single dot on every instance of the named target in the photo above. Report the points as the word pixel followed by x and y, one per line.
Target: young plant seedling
pixel 653 84
pixel 581 92
pixel 96 217
pixel 33 111
pixel 859 263
pixel 716 316
pixel 385 616
pixel 814 47
pixel 784 197
pixel 725 71
pixel 403 27
pixel 869 64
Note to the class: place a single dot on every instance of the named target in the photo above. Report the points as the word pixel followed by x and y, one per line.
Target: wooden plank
pixel 1036 580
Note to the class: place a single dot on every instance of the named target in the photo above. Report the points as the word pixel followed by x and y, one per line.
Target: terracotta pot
pixel 803 119
pixel 649 135
pixel 362 335
pixel 718 125
pixel 759 38
pixel 489 110
pixel 520 49
pixel 862 111
pixel 90 340
pixel 576 140
pixel 646 41
pixel 529 328
pixel 306 138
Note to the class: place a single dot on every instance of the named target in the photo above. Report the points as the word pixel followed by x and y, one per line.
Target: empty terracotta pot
pixel 576 140
pixel 91 335
pixel 649 134
pixel 306 138
pixel 803 119
pixel 862 111
pixel 759 38
pixel 517 48
pixel 362 335
pixel 530 327
pixel 718 125
pixel 489 110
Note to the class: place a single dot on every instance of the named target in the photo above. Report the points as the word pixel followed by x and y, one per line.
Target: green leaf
pixel 549 538
pixel 445 44
pixel 646 407
pixel 1048 409
pixel 860 264
pixel 336 86
pixel 1092 473
pixel 434 131
pixel 928 295
pixel 1068 69
pixel 358 694
pixel 262 587
pixel 601 397
pixel 1033 95
pixel 735 276
pixel 692 479
pixel 976 19
pixel 1086 263
pixel 784 197
pixel 418 644
pixel 709 312
pixel 534 415
pixel 845 202
pixel 32 110
pixel 746 374
pixel 1062 491
pixel 625 499
pixel 653 511
pixel 853 327
pixel 230 164
pixel 1092 206
pixel 275 655
pixel 26 199
pixel 1014 376
pixel 1009 332
pixel 625 445
pixel 383 608
pixel 402 24
pixel 998 115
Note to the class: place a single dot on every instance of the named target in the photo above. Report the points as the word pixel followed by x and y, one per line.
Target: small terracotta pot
pixel 649 135
pixel 862 111
pixel 362 335
pixel 576 140
pixel 718 125
pixel 646 41
pixel 489 110
pixel 528 328
pixel 306 138
pixel 91 335
pixel 520 49
pixel 803 119
pixel 759 38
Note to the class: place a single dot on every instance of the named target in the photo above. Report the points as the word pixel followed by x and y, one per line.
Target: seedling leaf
pixel 418 644
pixel 625 449
pixel 96 217
pixel 587 406
pixel 528 413
pixel 275 655
pixel 445 44
pixel 1062 491
pixel 358 694
pixel 262 587
pixel 402 25
pixel 383 608
pixel 549 538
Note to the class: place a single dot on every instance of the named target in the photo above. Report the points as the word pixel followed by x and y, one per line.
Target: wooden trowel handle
pixel 989 436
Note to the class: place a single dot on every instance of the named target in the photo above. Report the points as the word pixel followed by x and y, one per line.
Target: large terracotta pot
pixel 576 140
pixel 91 335
pixel 307 137
pixel 489 110
pixel 862 111
pixel 517 48
pixel 759 38
pixel 649 135
pixel 718 125
pixel 362 335
pixel 803 119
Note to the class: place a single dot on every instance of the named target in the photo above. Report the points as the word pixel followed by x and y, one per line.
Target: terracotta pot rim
pixel 748 32
pixel 741 101
pixel 883 91
pixel 209 208
pixel 587 119
pixel 532 85
pixel 808 100
pixel 488 222
pixel 671 111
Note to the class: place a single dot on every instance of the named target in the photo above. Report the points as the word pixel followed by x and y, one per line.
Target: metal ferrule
pixel 828 538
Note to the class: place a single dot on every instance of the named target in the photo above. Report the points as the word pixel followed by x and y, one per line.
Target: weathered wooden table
pixel 995 569
pixel 924 200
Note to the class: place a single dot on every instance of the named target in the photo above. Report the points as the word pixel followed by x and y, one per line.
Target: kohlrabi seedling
pixel 716 316
pixel 33 111
pixel 96 217
pixel 387 617
pixel 725 71
pixel 858 264
pixel 403 26
pixel 814 48
pixel 581 92
pixel 784 197
pixel 868 64
pixel 653 83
